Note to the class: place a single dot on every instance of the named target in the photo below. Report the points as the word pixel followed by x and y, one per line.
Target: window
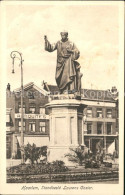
pixel 30 95
pixel 99 128
pixel 32 109
pixel 109 128
pixel 42 110
pixel 42 127
pixel 99 112
pixel 9 121
pixel 32 127
pixel 89 128
pixel 89 112
pixel 109 113
pixel 20 108
pixel 7 118
pixel 20 126
pixel 8 139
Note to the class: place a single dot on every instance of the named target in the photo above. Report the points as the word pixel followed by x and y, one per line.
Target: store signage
pixel 32 116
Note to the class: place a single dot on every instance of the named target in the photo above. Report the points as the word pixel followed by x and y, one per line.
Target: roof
pixel 31 84
pixel 53 88
pixel 91 94
pixel 100 95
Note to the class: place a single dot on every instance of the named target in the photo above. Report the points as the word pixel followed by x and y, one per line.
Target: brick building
pixel 36 119
pixel 100 128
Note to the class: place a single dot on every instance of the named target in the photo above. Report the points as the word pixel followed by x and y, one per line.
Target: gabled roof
pixel 31 84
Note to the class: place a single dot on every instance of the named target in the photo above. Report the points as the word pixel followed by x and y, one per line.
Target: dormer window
pixel 30 95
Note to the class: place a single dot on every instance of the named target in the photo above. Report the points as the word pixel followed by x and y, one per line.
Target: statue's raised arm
pixel 49 47
pixel 45 37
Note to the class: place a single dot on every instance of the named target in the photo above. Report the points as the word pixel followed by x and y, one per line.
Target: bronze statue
pixel 68 76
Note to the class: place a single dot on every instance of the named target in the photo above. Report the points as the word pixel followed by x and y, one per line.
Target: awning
pixel 38 141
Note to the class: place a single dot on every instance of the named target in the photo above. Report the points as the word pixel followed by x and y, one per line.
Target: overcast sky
pixel 93 28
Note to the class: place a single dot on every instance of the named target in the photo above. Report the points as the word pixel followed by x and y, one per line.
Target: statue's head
pixel 64 35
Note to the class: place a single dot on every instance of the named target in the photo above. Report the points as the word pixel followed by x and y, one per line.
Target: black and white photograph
pixel 62 106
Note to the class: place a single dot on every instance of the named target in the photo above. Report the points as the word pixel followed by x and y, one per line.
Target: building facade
pixel 100 128
pixel 35 118
pixel 100 124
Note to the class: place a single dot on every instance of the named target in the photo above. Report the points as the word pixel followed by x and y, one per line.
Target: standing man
pixel 68 76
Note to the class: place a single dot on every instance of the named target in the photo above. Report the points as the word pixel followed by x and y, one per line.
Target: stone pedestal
pixel 66 128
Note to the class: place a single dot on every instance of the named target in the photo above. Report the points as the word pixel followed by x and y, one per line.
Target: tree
pixel 77 155
pixel 33 153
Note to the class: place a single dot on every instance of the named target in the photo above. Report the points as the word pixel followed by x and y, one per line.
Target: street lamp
pixel 17 55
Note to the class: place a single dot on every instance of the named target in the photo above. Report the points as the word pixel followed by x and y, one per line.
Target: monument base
pixel 66 128
pixel 59 153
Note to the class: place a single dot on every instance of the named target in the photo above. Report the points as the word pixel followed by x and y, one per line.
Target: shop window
pixel 32 109
pixel 19 106
pixel 99 128
pixel 32 126
pixel 89 112
pixel 42 127
pixel 99 112
pixel 19 126
pixel 109 113
pixel 42 110
pixel 89 128
pixel 109 128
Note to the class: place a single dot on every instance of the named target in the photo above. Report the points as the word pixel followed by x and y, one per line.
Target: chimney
pixel 114 89
pixel 46 87
pixel 8 86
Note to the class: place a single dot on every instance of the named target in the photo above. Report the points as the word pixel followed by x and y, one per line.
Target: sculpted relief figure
pixel 68 76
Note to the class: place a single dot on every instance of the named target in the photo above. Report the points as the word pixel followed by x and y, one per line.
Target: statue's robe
pixel 66 65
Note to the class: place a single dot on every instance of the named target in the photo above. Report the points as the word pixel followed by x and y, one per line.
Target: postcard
pixel 62 97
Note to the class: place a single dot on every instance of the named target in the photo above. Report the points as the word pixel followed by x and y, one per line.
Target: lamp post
pixel 17 55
